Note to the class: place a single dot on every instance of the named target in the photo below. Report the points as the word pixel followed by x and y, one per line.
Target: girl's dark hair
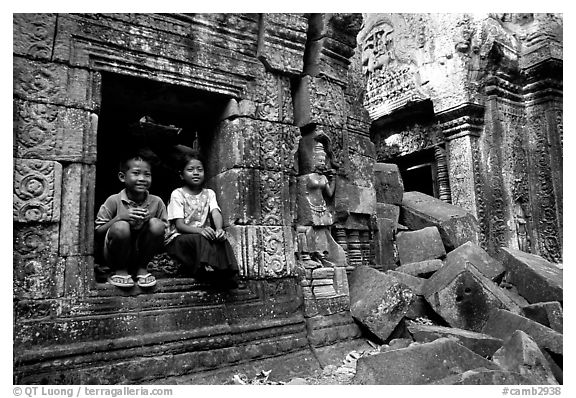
pixel 188 156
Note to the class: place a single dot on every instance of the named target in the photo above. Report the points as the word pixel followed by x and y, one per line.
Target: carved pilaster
pixel 442 177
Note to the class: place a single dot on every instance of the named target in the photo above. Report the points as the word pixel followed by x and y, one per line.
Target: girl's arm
pixel 217 218
pixel 184 228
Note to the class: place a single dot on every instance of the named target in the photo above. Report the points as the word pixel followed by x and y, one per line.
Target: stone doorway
pixel 419 172
pixel 171 115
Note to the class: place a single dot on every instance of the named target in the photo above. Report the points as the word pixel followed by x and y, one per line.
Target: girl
pixel 201 248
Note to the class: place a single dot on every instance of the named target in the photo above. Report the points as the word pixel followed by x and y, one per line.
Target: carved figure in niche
pixel 316 186
pixel 521 228
pixel 131 226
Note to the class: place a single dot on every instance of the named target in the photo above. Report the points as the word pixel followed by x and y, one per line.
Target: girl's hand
pixel 208 233
pixel 220 234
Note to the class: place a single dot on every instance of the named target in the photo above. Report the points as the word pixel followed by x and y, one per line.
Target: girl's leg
pixel 185 249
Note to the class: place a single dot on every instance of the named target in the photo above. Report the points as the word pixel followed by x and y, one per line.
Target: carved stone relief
pixel 34 34
pixel 462 173
pixel 37 187
pixel 410 140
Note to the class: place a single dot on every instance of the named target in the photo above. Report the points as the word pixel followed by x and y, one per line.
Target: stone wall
pixel 487 90
pixel 68 328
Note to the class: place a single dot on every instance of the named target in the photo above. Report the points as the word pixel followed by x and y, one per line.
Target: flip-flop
pixel 146 280
pixel 120 280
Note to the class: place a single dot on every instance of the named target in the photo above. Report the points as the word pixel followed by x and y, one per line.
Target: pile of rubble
pixel 491 321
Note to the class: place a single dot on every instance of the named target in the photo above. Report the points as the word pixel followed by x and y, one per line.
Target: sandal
pixel 120 280
pixel 146 280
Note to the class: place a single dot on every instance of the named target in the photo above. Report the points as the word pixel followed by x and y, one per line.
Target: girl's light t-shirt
pixel 194 209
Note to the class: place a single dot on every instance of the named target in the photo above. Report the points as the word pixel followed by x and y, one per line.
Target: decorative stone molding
pixel 37 187
pixel 34 35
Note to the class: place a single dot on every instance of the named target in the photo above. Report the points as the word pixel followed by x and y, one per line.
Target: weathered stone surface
pixel 37 190
pixel 420 245
pixel 317 100
pixel 263 251
pixel 329 329
pixel 391 212
pixel 456 225
pixel 521 354
pixel 536 279
pixel 502 324
pixel 412 282
pixel 352 198
pixel 314 306
pixel 247 143
pixel 483 376
pixel 252 196
pixel 472 253
pixel 50 132
pixel 388 183
pixel 548 314
pixel 378 301
pixel 384 246
pixel 464 297
pixel 421 268
pixel 481 344
pixel 419 364
pixel 34 35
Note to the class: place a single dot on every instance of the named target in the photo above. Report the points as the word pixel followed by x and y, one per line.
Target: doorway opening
pixel 419 172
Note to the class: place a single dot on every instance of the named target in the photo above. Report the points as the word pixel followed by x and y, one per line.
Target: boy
pixel 132 224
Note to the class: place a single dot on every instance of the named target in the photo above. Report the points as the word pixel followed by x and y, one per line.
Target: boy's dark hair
pixel 138 156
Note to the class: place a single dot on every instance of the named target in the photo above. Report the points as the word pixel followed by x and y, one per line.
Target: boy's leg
pixel 118 247
pixel 149 243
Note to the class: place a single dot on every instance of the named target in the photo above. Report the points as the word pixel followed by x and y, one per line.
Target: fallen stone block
pixel 464 297
pixel 548 314
pixel 419 364
pixel 421 268
pixel 412 282
pixel 502 324
pixel 481 344
pixel 490 267
pixel 536 279
pixel 455 224
pixel 521 354
pixel 512 293
pixel 388 183
pixel 483 376
pixel 378 301
pixel 423 244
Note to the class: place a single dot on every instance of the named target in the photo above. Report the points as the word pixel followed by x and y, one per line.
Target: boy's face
pixel 138 177
pixel 193 173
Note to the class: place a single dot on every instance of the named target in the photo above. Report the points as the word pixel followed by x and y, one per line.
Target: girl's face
pixel 193 173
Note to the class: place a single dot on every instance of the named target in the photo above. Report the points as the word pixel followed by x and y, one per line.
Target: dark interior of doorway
pixel 418 171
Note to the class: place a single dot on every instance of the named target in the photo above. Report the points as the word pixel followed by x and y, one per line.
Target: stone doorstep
pixel 131 356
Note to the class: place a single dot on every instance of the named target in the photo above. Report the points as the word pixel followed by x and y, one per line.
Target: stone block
pixel 420 245
pixel 37 270
pixel 384 245
pixel 421 268
pixel 548 314
pixel 536 279
pixel 520 354
pixel 341 281
pixel 251 196
pixel 330 329
pixel 51 132
pixel 360 169
pixel 388 211
pixel 482 344
pixel 319 101
pixel 37 190
pixel 388 183
pixel 490 267
pixel 378 301
pixel 351 198
pixel 456 225
pixel 34 35
pixel 464 297
pixel 263 251
pixel 412 282
pixel 322 282
pixel 282 40
pixel 482 376
pixel 419 364
pixel 330 305
pixel 248 143
pixel 502 324
pixel 323 273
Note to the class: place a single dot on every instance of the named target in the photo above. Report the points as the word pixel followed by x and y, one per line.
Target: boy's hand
pixel 208 233
pixel 220 234
pixel 138 215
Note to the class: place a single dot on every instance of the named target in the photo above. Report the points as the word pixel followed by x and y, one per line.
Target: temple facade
pixel 295 113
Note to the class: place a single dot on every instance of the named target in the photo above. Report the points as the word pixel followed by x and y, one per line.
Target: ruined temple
pixel 303 118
